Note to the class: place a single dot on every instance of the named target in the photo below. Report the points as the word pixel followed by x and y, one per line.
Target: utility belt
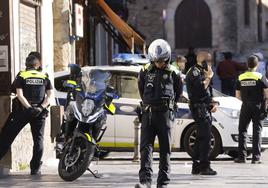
pixel 17 106
pixel 155 107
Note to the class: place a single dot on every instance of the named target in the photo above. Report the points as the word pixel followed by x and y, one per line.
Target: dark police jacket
pixel 34 85
pixel 195 86
pixel 158 85
pixel 251 87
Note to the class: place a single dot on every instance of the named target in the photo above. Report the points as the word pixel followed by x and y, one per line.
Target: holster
pixel 199 109
pixel 138 110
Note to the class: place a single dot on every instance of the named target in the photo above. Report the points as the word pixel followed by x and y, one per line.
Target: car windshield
pixel 95 80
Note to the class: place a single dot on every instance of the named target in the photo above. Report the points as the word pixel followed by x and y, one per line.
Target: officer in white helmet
pixel 160 87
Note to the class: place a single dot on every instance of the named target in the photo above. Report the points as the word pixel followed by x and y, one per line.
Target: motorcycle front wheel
pixel 74 162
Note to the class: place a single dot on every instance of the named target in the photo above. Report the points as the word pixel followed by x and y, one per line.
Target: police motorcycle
pixel 87 111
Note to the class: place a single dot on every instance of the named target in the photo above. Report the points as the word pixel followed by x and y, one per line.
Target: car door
pixel 127 87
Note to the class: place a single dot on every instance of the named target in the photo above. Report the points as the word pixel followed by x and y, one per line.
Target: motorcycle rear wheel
pixel 74 163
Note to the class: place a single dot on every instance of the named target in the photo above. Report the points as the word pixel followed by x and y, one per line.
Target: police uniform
pixel 251 87
pixel 159 90
pixel 200 99
pixel 34 85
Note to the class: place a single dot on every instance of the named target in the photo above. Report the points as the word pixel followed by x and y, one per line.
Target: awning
pixel 128 34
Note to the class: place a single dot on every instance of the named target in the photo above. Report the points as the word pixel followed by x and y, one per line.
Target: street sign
pixel 79 21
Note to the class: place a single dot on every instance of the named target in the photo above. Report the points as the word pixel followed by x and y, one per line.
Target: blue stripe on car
pixel 182 113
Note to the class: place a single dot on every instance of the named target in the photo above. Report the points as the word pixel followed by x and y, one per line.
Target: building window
pixel 30 28
pixel 247 12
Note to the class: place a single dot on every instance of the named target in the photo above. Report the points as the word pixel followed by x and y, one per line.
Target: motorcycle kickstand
pixel 95 173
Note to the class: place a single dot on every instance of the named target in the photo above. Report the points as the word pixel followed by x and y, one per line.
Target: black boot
pixel 195 168
pixel 143 185
pixel 208 171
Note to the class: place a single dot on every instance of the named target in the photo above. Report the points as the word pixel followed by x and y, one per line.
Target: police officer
pixel 253 92
pixel 201 105
pixel 160 87
pixel 33 90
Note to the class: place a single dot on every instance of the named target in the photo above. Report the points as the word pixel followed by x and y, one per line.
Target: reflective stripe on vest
pixel 32 74
pixel 250 75
pixel 72 82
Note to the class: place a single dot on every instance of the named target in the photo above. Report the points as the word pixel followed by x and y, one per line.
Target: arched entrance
pixel 193 25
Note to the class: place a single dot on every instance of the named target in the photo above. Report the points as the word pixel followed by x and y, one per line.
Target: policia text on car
pixel 253 92
pixel 33 89
pixel 201 105
pixel 160 87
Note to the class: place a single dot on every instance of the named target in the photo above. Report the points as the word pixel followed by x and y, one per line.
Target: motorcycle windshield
pixel 95 81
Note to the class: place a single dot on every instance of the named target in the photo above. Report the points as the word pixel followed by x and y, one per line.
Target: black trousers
pixel 228 86
pixel 203 123
pixel 155 124
pixel 14 124
pixel 250 111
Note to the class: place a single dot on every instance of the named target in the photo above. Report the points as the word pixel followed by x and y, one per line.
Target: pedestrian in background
pixel 261 63
pixel 201 105
pixel 191 59
pixel 227 71
pixel 180 65
pixel 160 88
pixel 254 94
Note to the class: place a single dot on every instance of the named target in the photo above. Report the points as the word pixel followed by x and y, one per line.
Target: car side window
pixel 126 84
pixel 58 82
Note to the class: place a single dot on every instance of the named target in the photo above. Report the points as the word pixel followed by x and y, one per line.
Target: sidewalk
pixel 121 173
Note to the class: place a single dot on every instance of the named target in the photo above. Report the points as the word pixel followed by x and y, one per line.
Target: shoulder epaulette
pixel 172 68
pixel 146 67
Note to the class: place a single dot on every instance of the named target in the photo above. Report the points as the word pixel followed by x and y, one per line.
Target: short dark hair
pixel 252 62
pixel 31 61
pixel 36 54
pixel 228 55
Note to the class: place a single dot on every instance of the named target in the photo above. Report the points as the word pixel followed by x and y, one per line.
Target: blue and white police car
pixel 119 135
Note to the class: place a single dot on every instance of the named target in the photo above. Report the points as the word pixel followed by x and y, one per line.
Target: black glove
pixel 35 111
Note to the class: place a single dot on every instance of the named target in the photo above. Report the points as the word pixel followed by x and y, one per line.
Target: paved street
pixel 120 171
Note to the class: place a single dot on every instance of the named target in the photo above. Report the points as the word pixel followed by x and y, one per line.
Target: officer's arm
pixel 238 94
pixel 22 99
pixel 47 99
pixel 141 83
pixel 178 86
pixel 206 82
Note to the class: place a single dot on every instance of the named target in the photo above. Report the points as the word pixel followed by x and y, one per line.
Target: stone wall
pixel 228 29
pixel 62 47
pixel 247 34
pixel 5 110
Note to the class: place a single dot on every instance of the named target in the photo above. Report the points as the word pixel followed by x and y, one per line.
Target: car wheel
pixel 190 137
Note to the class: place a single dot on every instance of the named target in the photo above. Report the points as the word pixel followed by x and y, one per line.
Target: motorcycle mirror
pixel 75 71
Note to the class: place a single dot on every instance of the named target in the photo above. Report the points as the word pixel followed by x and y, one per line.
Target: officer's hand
pixel 35 111
pixel 213 109
pixel 209 73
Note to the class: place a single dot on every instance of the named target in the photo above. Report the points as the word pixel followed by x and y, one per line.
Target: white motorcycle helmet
pixel 159 50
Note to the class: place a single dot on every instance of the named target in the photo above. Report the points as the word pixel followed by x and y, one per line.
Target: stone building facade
pixel 233 25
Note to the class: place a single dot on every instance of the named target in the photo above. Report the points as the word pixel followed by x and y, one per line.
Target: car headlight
pixel 232 113
pixel 87 107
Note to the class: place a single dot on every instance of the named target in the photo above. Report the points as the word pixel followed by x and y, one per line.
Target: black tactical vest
pixel 158 87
